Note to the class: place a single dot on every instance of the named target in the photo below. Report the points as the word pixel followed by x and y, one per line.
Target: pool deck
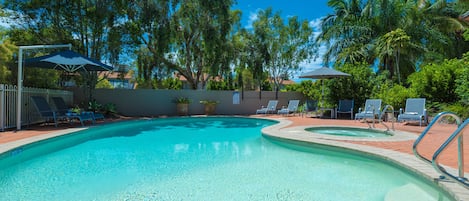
pixel 397 148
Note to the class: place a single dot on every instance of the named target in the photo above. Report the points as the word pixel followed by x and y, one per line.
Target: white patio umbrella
pixel 324 73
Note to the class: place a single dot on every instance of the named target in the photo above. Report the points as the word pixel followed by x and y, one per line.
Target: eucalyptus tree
pixel 187 36
pixel 281 45
pixel 91 26
pixel 7 50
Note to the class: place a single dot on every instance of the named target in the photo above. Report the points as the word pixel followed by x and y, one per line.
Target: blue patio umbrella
pixel 69 61
pixel 324 73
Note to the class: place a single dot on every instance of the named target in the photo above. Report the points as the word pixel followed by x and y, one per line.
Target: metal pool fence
pixel 29 115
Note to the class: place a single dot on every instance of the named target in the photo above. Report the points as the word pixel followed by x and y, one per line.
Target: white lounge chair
pixel 371 111
pixel 271 107
pixel 414 111
pixel 292 107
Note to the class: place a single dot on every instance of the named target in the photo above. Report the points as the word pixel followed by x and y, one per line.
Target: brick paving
pixel 432 141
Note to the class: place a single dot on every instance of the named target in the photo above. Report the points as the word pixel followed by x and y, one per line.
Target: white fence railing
pixel 29 115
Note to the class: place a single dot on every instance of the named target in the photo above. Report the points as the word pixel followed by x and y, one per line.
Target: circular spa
pixel 349 132
pixel 199 159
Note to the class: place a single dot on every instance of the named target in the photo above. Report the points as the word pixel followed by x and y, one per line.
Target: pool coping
pixel 395 135
pixel 5 147
pixel 410 162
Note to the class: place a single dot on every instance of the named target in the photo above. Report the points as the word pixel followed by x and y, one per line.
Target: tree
pixel 93 27
pixel 187 36
pixel 437 82
pixel 356 32
pixel 362 79
pixel 7 49
pixel 391 46
pixel 282 46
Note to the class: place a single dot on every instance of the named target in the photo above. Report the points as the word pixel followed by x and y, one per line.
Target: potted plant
pixel 182 105
pixel 210 106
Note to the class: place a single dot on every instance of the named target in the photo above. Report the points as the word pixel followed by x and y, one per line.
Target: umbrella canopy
pixel 69 61
pixel 324 73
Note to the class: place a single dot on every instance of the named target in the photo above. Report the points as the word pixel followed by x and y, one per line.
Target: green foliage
pixel 246 79
pixel 183 100
pixel 462 82
pixel 396 34
pixel 394 94
pixel 358 86
pixel 171 83
pixel 109 109
pixel 76 109
pixel 209 102
pixel 7 49
pixel 94 106
pixel 219 85
pixel 281 46
pixel 41 78
pixel 266 86
pixel 436 82
pixel 104 84
pixel 311 90
pixel 462 110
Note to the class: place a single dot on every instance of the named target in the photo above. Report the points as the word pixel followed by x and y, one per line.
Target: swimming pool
pixel 349 132
pixel 197 159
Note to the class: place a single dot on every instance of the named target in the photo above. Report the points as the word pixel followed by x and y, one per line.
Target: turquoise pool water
pixel 349 132
pixel 197 159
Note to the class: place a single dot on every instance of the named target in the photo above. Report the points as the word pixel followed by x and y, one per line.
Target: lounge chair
pixel 371 111
pixel 345 107
pixel 271 107
pixel 62 107
pixel 292 108
pixel 414 111
pixel 310 107
pixel 47 113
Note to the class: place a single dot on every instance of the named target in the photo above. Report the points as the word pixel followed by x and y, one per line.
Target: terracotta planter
pixel 210 109
pixel 182 109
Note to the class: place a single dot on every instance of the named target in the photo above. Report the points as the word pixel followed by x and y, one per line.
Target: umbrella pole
pixel 322 95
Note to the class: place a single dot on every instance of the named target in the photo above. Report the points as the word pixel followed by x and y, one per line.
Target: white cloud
pixel 316 23
pixel 307 66
pixel 252 17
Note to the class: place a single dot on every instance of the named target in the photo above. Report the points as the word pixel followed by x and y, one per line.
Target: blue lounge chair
pixel 371 111
pixel 62 107
pixel 310 107
pixel 271 107
pixel 292 108
pixel 414 111
pixel 47 113
pixel 345 107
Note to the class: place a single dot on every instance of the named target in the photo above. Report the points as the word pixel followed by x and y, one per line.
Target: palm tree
pixel 362 31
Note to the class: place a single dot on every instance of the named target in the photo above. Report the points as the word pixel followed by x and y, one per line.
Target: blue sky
pixel 311 10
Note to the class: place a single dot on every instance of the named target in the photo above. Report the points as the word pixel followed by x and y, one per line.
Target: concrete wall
pixel 148 102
